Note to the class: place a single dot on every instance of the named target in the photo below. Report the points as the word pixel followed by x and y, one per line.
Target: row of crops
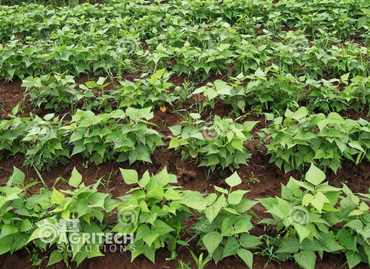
pixel 300 64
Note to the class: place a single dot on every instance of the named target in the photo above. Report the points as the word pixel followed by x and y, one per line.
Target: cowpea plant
pixel 218 142
pixel 104 137
pixel 312 217
pixel 153 213
pixel 301 139
pixel 223 225
pixel 53 91
pixel 301 221
pixel 38 220
pixel 87 209
pixel 151 91
pixel 40 139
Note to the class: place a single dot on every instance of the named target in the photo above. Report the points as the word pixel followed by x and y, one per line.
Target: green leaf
pixel 314 175
pixel 172 195
pixel 212 211
pixel 238 144
pixel 233 180
pixel 176 129
pixel 306 259
pixel 145 179
pixel 344 77
pixel 4 248
pixel 130 176
pixel 300 113
pixel 249 241
pixel 142 231
pixel 211 241
pixel 149 239
pixel 149 253
pixel 227 228
pixel 356 145
pixel 193 199
pixel 26 225
pixel 8 229
pixel 97 199
pixel 17 177
pixel 15 109
pixel 55 257
pixel 319 201
pixel 174 143
pixel 353 258
pixel 162 177
pixel 231 247
pixel 221 190
pixel 245 205
pixel 236 196
pixel 259 73
pixel 355 224
pixel 290 245
pixel 156 192
pixel 302 231
pixel 246 256
pixel 161 228
pixel 57 197
pixel 75 179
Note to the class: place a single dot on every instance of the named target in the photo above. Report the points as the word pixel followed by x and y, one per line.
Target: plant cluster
pixel 218 142
pixel 313 217
pixel 301 139
pixel 33 220
pixel 61 91
pixel 310 218
pixel 104 137
pixel 210 39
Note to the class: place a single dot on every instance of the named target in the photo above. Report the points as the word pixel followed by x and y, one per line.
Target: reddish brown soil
pixel 189 177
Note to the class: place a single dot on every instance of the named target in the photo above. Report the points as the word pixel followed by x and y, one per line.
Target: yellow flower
pixel 163 109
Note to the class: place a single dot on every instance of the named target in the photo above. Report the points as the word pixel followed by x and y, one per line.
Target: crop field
pixel 185 134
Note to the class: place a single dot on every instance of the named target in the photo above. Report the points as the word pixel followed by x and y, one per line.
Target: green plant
pixel 153 212
pixel 354 235
pixel 83 207
pixel 104 137
pixel 35 219
pixel 269 250
pixel 313 217
pixel 39 139
pixel 52 91
pixel 223 224
pixel 219 142
pixel 199 261
pixel 36 259
pixel 184 91
pixel 301 139
pixel 301 218
pixel 262 140
pixel 253 179
pixel 147 92
pixel 184 265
